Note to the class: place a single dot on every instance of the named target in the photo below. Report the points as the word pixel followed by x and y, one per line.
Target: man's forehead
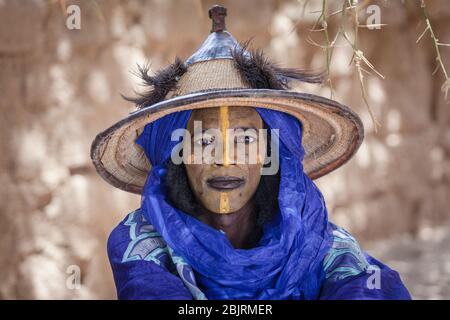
pixel 234 113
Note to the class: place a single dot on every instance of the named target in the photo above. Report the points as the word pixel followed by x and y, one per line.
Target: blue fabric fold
pixel 356 287
pixel 286 263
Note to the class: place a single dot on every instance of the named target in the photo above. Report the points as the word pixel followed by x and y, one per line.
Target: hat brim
pixel 332 133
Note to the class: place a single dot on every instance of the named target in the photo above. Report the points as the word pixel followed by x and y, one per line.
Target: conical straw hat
pixel 223 73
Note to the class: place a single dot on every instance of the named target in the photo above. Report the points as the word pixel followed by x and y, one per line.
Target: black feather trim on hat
pixel 161 83
pixel 261 73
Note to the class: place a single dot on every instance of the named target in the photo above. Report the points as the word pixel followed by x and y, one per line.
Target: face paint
pixel 224 186
pixel 224 125
pixel 224 203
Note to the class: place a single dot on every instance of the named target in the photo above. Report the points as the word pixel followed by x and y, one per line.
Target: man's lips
pixel 225 182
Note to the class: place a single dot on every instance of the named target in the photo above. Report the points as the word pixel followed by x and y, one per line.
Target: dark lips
pixel 225 182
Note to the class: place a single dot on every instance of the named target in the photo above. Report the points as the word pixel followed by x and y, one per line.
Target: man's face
pixel 228 175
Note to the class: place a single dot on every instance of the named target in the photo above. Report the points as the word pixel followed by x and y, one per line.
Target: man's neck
pixel 239 226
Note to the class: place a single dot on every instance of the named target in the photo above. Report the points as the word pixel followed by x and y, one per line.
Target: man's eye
pixel 245 139
pixel 205 141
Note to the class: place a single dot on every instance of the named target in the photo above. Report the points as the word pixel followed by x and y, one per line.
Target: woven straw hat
pixel 224 73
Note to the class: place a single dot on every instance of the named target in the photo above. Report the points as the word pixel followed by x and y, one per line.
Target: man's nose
pixel 223 156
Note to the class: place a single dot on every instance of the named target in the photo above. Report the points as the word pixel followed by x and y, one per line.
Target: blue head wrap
pixel 286 263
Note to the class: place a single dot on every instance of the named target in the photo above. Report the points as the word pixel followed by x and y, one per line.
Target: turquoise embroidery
pixel 345 258
pixel 187 276
pixel 147 244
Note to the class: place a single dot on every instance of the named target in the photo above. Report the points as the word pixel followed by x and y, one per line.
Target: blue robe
pixel 144 267
pixel 160 252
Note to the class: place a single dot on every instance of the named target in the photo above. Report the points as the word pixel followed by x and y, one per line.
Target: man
pixel 223 155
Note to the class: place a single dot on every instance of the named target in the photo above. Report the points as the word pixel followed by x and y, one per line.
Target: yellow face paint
pixel 224 202
pixel 224 206
pixel 224 124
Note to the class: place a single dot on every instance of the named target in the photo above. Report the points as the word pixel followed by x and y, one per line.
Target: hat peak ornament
pixel 220 43
pixel 217 14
